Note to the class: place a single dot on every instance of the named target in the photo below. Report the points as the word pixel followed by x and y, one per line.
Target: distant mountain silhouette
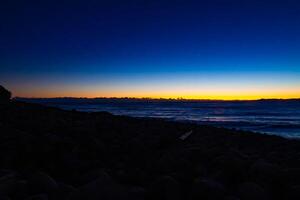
pixel 127 99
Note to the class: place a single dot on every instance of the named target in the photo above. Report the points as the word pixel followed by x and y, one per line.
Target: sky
pixel 213 49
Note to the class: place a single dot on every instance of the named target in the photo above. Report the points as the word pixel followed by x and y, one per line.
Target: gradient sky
pixel 214 49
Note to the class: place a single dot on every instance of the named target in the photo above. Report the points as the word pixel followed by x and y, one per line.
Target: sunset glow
pixel 167 87
pixel 195 49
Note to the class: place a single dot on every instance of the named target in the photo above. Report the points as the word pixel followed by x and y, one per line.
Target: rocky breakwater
pixel 51 154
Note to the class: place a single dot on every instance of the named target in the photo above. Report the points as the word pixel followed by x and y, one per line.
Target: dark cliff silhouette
pixel 5 95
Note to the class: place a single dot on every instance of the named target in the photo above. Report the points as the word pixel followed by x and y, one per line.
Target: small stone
pixel 63 191
pixel 294 193
pixel 250 191
pixel 137 193
pixel 7 185
pixel 262 170
pixel 102 188
pixel 166 188
pixel 231 198
pixel 90 176
pixel 291 175
pixel 20 189
pixel 42 183
pixel 38 197
pixel 207 189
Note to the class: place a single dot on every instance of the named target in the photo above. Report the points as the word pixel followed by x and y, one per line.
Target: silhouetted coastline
pixel 87 100
pixel 275 117
pixel 49 153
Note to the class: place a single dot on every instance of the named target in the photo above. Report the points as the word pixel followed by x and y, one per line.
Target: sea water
pixel 279 117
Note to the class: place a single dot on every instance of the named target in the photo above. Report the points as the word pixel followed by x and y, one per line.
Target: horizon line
pixel 162 98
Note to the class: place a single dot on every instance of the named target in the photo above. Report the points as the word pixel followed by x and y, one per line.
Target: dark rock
pixel 293 193
pixel 103 188
pixel 38 197
pixel 133 176
pixel 20 189
pixel 200 170
pixel 90 176
pixel 229 168
pixel 5 95
pixel 264 171
pixel 137 193
pixel 42 183
pixel 250 191
pixel 165 188
pixel 142 155
pixel 291 175
pixel 231 198
pixel 63 191
pixel 172 162
pixel 207 189
pixel 6 175
pixel 7 183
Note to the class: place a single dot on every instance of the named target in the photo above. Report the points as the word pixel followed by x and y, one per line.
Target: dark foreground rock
pixel 48 153
pixel 5 95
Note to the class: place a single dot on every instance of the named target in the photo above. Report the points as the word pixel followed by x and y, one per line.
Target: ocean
pixel 278 117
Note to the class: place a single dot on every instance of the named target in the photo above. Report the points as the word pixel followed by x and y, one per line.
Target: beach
pixel 49 153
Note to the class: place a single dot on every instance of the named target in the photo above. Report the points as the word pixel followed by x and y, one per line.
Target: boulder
pixel 40 182
pixel 291 175
pixel 90 176
pixel 20 190
pixel 263 171
pixel 294 193
pixel 7 183
pixel 5 95
pixel 231 198
pixel 137 193
pixel 63 191
pixel 171 162
pixel 250 191
pixel 230 168
pixel 103 188
pixel 38 197
pixel 207 189
pixel 165 188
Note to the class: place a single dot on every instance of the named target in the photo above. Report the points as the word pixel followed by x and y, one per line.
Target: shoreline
pixel 258 116
pixel 79 155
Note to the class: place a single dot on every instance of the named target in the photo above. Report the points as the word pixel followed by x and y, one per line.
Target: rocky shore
pixel 48 153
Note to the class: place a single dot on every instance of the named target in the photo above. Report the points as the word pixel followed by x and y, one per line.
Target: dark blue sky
pixel 107 48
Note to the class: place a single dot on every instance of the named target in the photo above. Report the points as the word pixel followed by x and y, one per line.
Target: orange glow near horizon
pixel 213 94
pixel 191 86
